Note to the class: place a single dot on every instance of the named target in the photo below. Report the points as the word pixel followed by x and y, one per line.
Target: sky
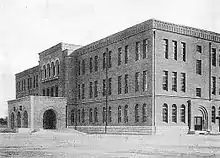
pixel 28 27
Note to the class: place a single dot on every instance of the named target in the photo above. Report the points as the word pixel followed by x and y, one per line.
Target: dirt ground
pixel 75 144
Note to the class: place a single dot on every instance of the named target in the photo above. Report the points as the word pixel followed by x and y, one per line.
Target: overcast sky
pixel 28 27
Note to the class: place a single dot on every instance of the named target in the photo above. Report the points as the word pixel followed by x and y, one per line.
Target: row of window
pixel 50 70
pixel 79 115
pixel 107 85
pixel 107 57
pixel 53 91
pixel 174 81
pixel 174 113
pixel 21 85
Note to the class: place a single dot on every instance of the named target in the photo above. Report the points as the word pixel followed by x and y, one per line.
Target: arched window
pixel 83 115
pixel 57 65
pixel 96 115
pixel 45 72
pixel 126 114
pixel 136 113
pixel 109 114
pixel 119 114
pixel 213 114
pixel 165 113
pixel 183 113
pixel 144 112
pixel 79 115
pixel 72 117
pixel 48 70
pixel 53 68
pixel 90 115
pixel 25 119
pixel 12 120
pixel 19 120
pixel 174 113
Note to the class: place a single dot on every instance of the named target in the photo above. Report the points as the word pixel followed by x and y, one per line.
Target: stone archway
pixel 49 119
pixel 201 119
pixel 12 120
pixel 19 119
pixel 25 119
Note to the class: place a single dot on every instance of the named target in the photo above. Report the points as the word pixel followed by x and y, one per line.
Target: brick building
pixel 150 78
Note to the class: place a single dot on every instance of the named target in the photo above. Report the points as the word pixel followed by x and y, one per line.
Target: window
pixel 219 111
pixel 90 90
pixel 119 114
pixel 183 113
pixel 51 94
pixel 78 115
pixel 145 48
pixel 72 117
pixel 90 65
pixel 183 81
pixel 20 108
pixel 213 85
pixel 96 89
pixel 109 114
pixel 126 114
pixel 199 48
pixel 48 92
pixel 137 51
pixel 36 81
pixel 78 87
pixel 43 92
pixel 174 50
pixel 198 92
pixel 79 68
pixel 45 72
pixel 57 64
pixel 104 87
pixel 165 113
pixel 198 67
pixel 83 115
pixel 104 61
pixel 174 81
pixel 165 48
pixel 119 56
pixel 219 88
pixel 109 86
pixel 96 115
pixel 119 84
pixel 213 56
pixel 136 113
pixel 53 69
pixel 126 83
pixel 109 59
pixel 165 80
pixel 126 54
pixel 174 113
pixel 137 81
pixel 90 115
pixel 104 115
pixel 96 63
pixel 83 67
pixel 83 91
pixel 218 60
pixel 48 70
pixel 213 114
pixel 144 113
pixel 183 51
pixel 144 80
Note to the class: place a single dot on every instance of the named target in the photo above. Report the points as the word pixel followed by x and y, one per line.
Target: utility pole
pixel 106 90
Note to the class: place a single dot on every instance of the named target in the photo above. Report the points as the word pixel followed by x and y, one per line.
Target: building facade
pixel 153 77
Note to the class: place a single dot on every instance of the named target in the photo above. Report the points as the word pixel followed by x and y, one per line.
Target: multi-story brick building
pixel 151 77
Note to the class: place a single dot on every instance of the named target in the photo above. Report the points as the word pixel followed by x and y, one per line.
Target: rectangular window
pixel 165 48
pixel 78 87
pixel 96 63
pixel 119 84
pixel 174 50
pixel 198 67
pixel 83 91
pixel 83 67
pixel 24 85
pixel 183 82
pixel 145 48
pixel 137 81
pixel 48 92
pixel 183 51
pixel 56 91
pixel 219 88
pixel 126 54
pixel 213 56
pixel 51 94
pixel 36 81
pixel 30 83
pixel 96 89
pixel 90 90
pixel 199 48
pixel 119 56
pixel 144 80
pixel 79 68
pixel 198 92
pixel 126 83
pixel 174 81
pixel 137 51
pixel 109 86
pixel 109 59
pixel 213 85
pixel 104 61
pixel 34 84
pixel 165 80
pixel 90 65
pixel 104 87
pixel 43 92
pixel 218 60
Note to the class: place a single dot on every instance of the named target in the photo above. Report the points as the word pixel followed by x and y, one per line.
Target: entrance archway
pixel 19 120
pixel 49 119
pixel 25 119
pixel 201 119
pixel 12 120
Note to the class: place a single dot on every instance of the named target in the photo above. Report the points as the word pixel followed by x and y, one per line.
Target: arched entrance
pixel 25 119
pixel 19 120
pixel 201 119
pixel 49 119
pixel 12 120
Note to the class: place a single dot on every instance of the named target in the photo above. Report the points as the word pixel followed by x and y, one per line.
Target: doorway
pixel 49 119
